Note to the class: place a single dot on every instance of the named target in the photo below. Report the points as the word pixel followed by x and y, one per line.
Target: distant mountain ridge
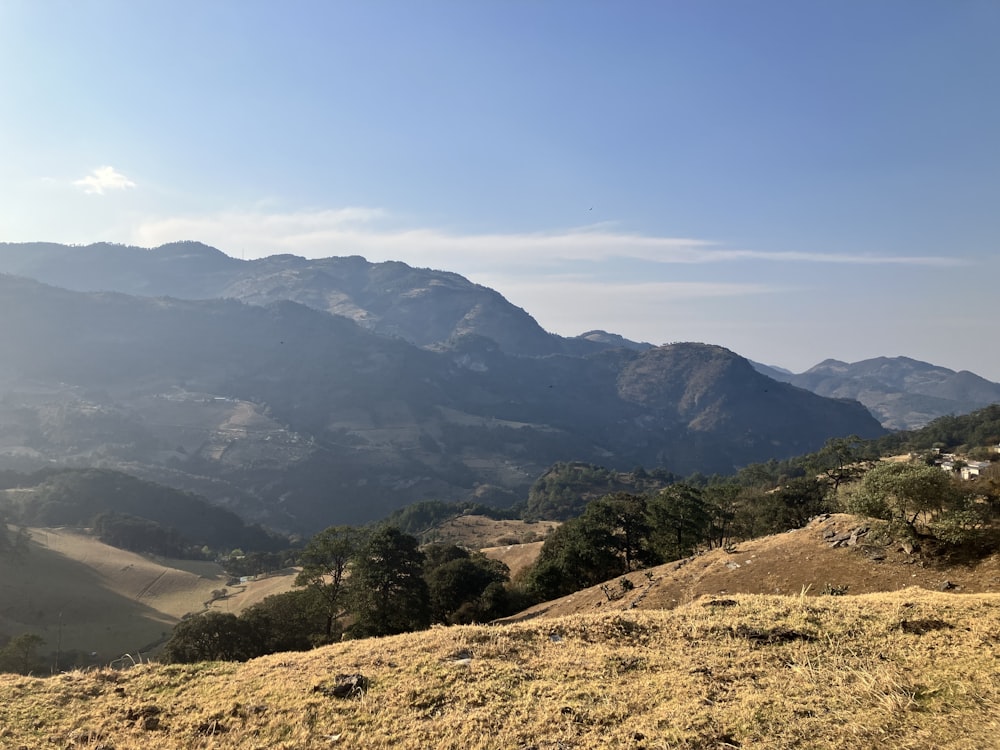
pixel 442 310
pixel 425 307
pixel 298 418
pixel 903 393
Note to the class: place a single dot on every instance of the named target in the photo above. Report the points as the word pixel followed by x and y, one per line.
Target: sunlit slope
pixel 912 669
pixel 82 595
pixel 820 558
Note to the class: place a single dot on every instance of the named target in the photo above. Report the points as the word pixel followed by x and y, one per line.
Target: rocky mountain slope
pixel 903 393
pixel 419 305
pixel 301 419
pixel 437 309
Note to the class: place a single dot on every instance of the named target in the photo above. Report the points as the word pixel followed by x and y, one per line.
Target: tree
pixel 565 489
pixel 584 551
pixel 721 502
pixel 843 460
pixel 789 506
pixel 680 521
pixel 324 562
pixel 21 654
pixel 293 621
pixel 911 494
pixel 388 592
pixel 626 524
pixel 13 544
pixel 137 534
pixel 457 588
pixel 437 554
pixel 212 636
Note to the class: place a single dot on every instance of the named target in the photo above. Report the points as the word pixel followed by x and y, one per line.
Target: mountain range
pixel 302 393
pixel 431 309
pixel 902 393
pixel 422 306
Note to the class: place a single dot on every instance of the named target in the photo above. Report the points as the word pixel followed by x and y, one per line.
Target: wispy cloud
pixel 103 179
pixel 639 292
pixel 872 259
pixel 364 231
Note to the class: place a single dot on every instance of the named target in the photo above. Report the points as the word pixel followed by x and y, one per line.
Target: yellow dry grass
pixel 241 596
pixel 81 595
pixel 515 543
pixel 787 563
pixel 910 669
pixel 517 557
pixel 478 532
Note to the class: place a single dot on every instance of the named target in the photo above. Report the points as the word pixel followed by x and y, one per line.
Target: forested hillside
pixel 297 418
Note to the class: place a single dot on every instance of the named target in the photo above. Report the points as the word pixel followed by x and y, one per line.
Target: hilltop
pixel 908 669
pixel 837 553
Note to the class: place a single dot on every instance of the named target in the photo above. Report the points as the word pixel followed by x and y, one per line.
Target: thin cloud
pixel 103 179
pixel 848 259
pixel 579 287
pixel 362 231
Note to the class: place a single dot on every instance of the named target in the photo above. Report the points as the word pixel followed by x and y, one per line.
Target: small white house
pixel 973 469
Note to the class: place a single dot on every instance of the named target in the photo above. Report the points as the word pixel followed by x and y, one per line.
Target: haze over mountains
pixel 903 393
pixel 308 392
pixel 422 306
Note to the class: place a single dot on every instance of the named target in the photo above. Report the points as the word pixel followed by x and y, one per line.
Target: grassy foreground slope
pixel 909 669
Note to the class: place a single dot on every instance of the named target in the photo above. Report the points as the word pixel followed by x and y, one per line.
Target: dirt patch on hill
pixel 517 557
pixel 835 554
pixel 241 596
pixel 479 532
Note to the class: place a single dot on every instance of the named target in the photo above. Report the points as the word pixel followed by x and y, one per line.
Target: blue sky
pixel 792 180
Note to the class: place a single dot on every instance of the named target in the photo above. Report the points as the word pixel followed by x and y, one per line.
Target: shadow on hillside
pixel 985 542
pixel 71 606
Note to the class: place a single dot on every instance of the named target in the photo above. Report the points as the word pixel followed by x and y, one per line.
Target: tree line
pixel 623 532
pixel 371 582
pixel 353 583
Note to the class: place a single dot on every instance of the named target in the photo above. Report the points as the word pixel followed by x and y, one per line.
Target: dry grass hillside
pixel 909 669
pixel 81 595
pixel 478 532
pixel 836 553
pixel 515 543
pixel 517 557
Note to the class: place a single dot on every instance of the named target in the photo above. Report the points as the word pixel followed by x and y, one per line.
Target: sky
pixel 794 181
